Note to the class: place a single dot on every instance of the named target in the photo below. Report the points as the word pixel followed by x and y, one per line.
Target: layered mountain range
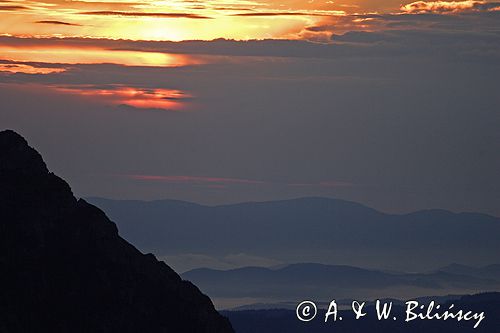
pixel 281 287
pixel 325 230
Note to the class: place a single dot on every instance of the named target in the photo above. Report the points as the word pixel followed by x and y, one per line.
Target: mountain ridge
pixel 291 200
pixel 308 230
pixel 64 268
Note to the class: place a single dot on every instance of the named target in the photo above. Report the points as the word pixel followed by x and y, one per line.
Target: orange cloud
pixel 420 7
pixel 141 98
pixel 28 69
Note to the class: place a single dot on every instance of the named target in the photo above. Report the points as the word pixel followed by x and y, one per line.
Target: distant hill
pixel 321 282
pixel 309 230
pixel 63 267
pixel 489 271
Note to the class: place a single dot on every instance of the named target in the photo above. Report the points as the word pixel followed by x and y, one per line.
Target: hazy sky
pixel 395 106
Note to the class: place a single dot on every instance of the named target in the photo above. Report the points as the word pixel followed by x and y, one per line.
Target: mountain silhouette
pixel 309 230
pixel 64 268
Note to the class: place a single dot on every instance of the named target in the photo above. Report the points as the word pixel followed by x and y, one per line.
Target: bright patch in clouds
pixel 91 55
pixel 162 20
pixel 140 98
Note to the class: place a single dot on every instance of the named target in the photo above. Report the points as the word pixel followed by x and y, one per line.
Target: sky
pixel 394 105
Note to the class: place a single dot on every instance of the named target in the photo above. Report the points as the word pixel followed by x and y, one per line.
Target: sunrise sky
pixel 388 103
pixel 310 20
pixel 206 20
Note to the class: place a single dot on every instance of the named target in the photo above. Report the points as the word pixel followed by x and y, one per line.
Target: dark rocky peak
pixel 64 268
pixel 17 157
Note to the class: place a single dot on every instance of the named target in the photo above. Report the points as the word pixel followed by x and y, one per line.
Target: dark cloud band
pixel 146 14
